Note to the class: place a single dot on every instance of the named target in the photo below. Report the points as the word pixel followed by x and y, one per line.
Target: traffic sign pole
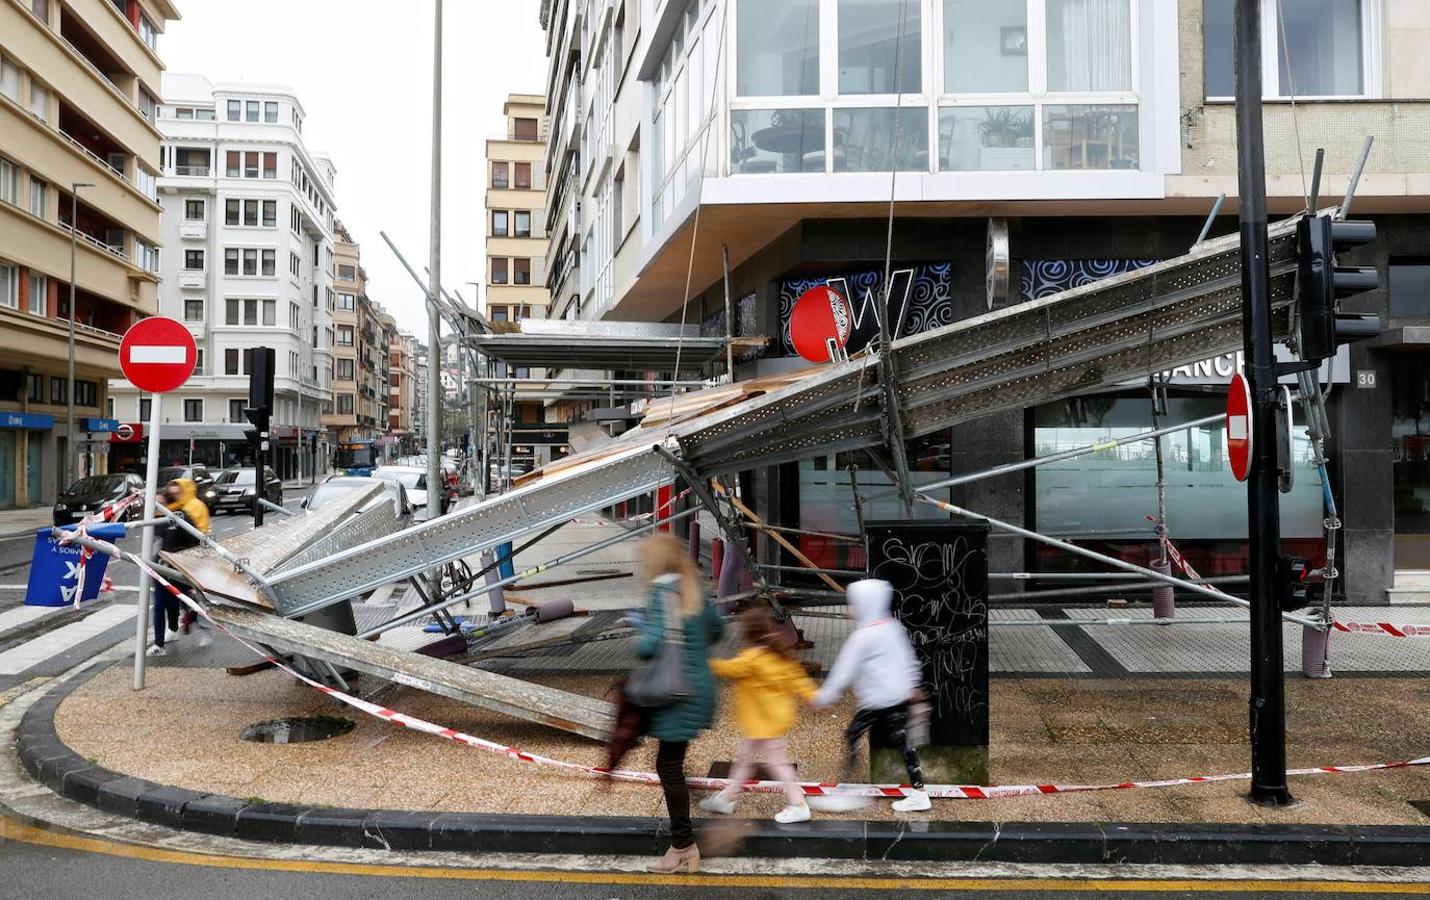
pixel 146 546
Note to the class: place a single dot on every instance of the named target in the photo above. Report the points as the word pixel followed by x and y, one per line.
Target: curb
pixel 63 771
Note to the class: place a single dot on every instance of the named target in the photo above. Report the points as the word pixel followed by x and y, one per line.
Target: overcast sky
pixel 363 71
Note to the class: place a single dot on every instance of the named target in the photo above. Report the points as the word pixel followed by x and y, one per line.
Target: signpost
pixel 157 355
pixel 1239 432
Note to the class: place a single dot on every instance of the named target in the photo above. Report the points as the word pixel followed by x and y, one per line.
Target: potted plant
pixel 1005 136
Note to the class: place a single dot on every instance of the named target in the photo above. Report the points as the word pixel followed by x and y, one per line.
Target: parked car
pixel 415 481
pixel 234 490
pixel 198 473
pixel 93 494
pixel 335 486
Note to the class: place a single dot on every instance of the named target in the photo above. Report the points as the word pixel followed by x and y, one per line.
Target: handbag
pixel 661 681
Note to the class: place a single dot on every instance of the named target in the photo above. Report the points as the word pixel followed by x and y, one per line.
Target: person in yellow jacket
pixel 767 679
pixel 181 497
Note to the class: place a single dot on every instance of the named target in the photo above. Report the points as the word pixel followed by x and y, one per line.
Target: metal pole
pixel 434 324
pixel 729 317
pixel 476 398
pixel 1268 702
pixel 1355 178
pixel 1211 217
pixel 71 447
pixel 146 544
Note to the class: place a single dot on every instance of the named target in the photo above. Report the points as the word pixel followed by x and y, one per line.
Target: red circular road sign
pixel 821 314
pixel 157 354
pixel 1238 426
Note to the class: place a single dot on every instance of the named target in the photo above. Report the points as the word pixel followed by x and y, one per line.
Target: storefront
pixel 22 439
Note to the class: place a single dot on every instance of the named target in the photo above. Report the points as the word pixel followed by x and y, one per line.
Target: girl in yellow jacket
pixel 767 679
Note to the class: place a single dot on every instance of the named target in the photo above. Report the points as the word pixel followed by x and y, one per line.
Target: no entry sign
pixel 820 315
pixel 1238 426
pixel 157 354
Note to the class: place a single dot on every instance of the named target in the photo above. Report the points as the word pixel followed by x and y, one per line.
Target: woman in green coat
pixel 675 590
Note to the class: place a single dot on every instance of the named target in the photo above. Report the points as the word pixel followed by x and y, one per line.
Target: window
pixel 1410 287
pixel 9 286
pixel 870 139
pixel 270 213
pixel 58 387
pixel 250 261
pixel 499 175
pixel 38 293
pixel 985 48
pixel 521 271
pixel 1089 137
pixel 230 261
pixel 235 110
pixel 498 270
pixel 295 264
pixel 148 33
pixel 35 388
pixel 1089 45
pixel 270 112
pixel 232 167
pixel 194 210
pixel 250 213
pixel 230 360
pixel 524 129
pixel 522 223
pixel 347 301
pixel 499 223
pixel 194 260
pixel 347 273
pixel 145 407
pixel 1314 48
pixel 270 165
pixel 250 164
pixel 193 410
pixel 270 265
pixel 10 80
pixel 235 411
pixel 522 174
pixel 345 404
pixel 345 335
pixel 250 109
pixel 873 41
pixel 39 100
pixel 86 393
pixel 9 182
pixel 344 370
pixel 193 309
pixel 39 198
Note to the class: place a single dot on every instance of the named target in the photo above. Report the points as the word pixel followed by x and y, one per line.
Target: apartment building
pixel 340 417
pixel 79 159
pixel 248 223
pixel 516 286
pixel 402 391
pixel 1056 141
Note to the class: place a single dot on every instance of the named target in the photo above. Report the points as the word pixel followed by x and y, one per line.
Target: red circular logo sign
pixel 820 315
pixel 157 354
pixel 1238 426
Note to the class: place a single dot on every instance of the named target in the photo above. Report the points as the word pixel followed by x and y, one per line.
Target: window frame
pixel 193 403
pixel 1372 84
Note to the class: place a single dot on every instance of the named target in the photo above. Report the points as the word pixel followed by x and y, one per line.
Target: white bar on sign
pixel 158 354
pixel 1236 428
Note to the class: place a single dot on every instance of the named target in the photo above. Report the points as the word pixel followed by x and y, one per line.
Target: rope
pixel 1295 118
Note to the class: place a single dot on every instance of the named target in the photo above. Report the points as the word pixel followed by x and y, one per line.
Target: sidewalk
pixel 24 521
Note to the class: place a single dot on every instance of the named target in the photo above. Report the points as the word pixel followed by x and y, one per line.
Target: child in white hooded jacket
pixel 878 661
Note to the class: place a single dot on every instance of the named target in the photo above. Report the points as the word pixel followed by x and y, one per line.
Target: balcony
pixel 193 231
pixel 193 279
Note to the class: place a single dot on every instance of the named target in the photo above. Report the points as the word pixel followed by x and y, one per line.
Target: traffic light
pixel 1321 284
pixel 1298 583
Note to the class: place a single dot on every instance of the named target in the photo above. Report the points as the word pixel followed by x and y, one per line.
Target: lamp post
pixel 70 448
pixel 434 282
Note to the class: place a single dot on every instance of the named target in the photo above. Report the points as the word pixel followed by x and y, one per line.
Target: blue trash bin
pixel 54 568
pixel 507 566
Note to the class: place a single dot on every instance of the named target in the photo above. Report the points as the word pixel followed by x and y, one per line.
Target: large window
pixel 499 223
pixel 1410 289
pixel 521 271
pixel 1310 48
pixel 521 223
pixel 779 48
pixel 985 47
pixel 501 175
pixel 499 269
pixel 193 410
pixel 879 47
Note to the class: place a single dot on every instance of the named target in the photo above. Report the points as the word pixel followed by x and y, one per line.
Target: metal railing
pixel 92 155
pixel 200 171
pixel 113 251
pixel 103 76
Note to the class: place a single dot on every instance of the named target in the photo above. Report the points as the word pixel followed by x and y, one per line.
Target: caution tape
pixel 106 514
pixel 810 788
pixel 1383 628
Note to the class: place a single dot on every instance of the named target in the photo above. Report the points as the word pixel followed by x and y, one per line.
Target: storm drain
pixel 297 730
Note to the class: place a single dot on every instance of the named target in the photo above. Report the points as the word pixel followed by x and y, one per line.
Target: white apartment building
pixel 1025 147
pixel 247 224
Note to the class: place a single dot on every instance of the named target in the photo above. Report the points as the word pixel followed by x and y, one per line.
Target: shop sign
pixel 98 425
pixel 27 421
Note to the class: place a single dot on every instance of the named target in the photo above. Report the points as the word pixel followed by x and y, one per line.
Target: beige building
pixel 78 88
pixel 515 201
pixel 402 387
pixel 340 415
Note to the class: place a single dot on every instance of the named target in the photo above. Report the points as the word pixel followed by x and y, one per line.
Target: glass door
pixel 7 469
pixel 1410 446
pixel 33 460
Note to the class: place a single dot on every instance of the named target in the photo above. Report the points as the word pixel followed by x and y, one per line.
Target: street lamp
pixel 71 447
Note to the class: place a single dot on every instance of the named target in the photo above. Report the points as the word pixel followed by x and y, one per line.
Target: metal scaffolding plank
pixel 575 713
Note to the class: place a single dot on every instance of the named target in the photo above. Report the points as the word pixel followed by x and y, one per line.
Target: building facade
pixel 1094 135
pixel 79 160
pixel 402 390
pixel 248 220
pixel 340 413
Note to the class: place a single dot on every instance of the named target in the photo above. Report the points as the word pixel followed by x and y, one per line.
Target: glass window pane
pixel 985 46
pixel 864 140
pixel 1089 45
pixel 1090 137
pixel 1218 47
pixel 776 140
pixel 985 138
pixel 1322 48
pixel 1410 287
pixel 870 47
pixel 777 48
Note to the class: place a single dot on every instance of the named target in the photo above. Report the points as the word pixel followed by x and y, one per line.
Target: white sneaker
pixel 716 803
pixel 205 637
pixel 792 814
pixel 838 803
pixel 916 801
pixel 155 650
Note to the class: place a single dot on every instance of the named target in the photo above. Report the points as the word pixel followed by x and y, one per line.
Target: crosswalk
pixel 54 642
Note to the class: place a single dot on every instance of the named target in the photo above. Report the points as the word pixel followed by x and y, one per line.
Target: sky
pixel 363 72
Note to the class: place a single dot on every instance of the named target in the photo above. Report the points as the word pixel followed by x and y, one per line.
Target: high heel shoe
pixel 674 860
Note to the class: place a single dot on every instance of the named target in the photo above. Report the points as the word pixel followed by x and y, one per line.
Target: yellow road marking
pixel 13 830
pixel 20 690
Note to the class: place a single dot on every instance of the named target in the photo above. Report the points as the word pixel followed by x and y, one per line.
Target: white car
pixel 414 480
pixel 334 486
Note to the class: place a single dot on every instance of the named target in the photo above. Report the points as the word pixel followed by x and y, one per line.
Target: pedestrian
pixel 767 678
pixel 181 498
pixel 878 661
pixel 675 591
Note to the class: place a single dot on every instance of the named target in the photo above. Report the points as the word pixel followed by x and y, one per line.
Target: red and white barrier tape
pixel 810 788
pixel 106 514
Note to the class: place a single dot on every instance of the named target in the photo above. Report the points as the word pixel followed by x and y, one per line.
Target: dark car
pixel 90 495
pixel 198 473
pixel 234 490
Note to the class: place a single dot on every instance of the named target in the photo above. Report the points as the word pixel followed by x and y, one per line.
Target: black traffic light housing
pixel 1321 284
pixel 1298 583
pixel 259 412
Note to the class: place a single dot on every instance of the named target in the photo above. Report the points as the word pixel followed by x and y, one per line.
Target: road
pixel 38 642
